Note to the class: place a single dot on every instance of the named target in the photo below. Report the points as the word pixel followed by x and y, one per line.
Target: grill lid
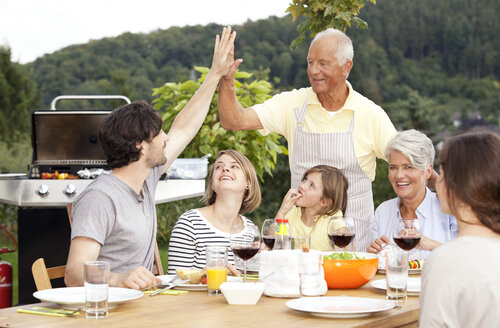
pixel 67 136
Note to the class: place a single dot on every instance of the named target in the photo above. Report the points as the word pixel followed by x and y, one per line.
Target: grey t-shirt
pixel 123 222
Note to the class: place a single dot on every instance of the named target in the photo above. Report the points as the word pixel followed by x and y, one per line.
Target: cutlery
pixel 267 276
pixel 155 285
pixel 172 285
pixel 171 280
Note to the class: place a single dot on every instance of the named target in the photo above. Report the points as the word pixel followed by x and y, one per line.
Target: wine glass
pixel 269 233
pixel 406 233
pixel 245 243
pixel 341 231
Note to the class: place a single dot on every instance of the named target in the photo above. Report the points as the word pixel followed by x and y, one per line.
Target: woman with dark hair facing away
pixel 232 189
pixel 460 280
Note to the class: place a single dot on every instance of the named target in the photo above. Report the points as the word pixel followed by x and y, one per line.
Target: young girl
pixel 321 194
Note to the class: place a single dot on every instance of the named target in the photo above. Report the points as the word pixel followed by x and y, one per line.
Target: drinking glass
pixel 406 233
pixel 269 233
pixel 245 243
pixel 341 231
pixel 396 273
pixel 301 242
pixel 96 282
pixel 216 268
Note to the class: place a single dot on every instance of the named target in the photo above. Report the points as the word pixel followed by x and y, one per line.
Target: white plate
pixel 193 287
pixel 412 285
pixel 410 271
pixel 340 306
pixel 75 296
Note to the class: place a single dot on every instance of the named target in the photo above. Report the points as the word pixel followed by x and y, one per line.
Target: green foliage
pixel 16 156
pixel 18 94
pixel 381 187
pixel 320 15
pixel 261 150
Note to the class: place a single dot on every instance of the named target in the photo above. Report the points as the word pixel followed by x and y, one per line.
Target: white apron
pixel 336 149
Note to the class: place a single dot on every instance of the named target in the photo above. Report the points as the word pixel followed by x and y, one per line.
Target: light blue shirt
pixel 434 224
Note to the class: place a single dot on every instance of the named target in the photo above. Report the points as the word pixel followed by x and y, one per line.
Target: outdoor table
pixel 197 309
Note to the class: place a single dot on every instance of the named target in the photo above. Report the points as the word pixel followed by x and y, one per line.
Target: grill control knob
pixel 70 190
pixel 43 190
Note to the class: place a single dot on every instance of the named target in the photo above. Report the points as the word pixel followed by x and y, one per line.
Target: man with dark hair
pixel 114 218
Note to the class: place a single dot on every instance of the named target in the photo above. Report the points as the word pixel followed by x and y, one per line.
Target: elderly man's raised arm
pixel 232 115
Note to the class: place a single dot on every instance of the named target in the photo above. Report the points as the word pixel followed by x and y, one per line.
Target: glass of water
pixel 396 273
pixel 96 281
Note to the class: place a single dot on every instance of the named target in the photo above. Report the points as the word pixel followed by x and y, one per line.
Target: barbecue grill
pixel 64 144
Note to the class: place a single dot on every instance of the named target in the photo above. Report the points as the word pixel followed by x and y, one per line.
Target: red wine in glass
pixel 269 241
pixel 341 240
pixel 406 233
pixel 407 243
pixel 245 253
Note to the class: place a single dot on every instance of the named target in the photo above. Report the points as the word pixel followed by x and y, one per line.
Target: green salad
pixel 342 256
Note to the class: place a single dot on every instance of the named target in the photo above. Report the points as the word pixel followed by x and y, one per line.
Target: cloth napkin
pixel 312 275
pixel 285 282
pixel 48 311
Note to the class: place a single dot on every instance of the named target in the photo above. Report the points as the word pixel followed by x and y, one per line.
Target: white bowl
pixel 242 293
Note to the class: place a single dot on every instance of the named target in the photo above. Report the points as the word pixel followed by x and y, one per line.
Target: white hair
pixel 345 51
pixel 415 145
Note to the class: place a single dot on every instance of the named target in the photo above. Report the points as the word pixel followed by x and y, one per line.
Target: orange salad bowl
pixel 348 274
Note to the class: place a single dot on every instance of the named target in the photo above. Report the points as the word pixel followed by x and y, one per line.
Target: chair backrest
pixel 157 266
pixel 42 275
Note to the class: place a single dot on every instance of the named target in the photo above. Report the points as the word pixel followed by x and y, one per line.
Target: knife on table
pixel 172 285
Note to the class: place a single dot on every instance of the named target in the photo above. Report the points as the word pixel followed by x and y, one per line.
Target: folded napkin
pixel 312 275
pixel 285 282
pixel 167 292
pixel 48 311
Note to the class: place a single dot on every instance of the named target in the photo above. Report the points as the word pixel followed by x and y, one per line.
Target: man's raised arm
pixel 191 117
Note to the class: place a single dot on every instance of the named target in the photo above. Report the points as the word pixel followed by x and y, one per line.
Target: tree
pixel 320 15
pixel 261 150
pixel 18 94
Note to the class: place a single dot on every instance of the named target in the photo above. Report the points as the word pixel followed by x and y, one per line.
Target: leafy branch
pixel 320 15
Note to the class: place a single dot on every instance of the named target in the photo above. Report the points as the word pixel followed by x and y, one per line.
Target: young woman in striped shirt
pixel 232 190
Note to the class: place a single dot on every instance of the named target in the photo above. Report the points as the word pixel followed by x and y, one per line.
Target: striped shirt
pixel 191 234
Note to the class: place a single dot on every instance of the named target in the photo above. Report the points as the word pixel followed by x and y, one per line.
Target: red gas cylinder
pixel 5 284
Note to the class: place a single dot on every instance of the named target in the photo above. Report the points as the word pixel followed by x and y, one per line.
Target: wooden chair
pixel 42 275
pixel 157 266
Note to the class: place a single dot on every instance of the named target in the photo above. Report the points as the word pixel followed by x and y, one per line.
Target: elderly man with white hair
pixel 411 156
pixel 328 123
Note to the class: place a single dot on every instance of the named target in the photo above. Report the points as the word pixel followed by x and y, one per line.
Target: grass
pixel 12 259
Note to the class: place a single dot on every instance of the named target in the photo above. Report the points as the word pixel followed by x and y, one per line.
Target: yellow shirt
pixel 372 127
pixel 318 232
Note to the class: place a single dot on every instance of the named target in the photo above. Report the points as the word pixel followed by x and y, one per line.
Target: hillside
pixel 440 57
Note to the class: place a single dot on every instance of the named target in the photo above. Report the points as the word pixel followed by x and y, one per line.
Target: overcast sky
pixel 32 28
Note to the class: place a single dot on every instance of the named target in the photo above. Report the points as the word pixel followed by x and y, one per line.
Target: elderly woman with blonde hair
pixel 411 155
pixel 232 190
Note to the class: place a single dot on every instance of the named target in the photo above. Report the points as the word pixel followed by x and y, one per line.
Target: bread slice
pixel 193 275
